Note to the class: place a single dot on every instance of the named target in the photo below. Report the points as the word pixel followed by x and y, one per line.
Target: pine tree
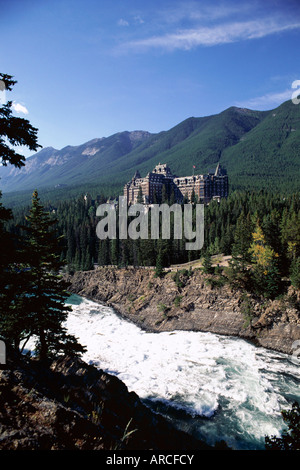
pixel 242 237
pixel 295 273
pixel 87 263
pixel 14 131
pixel 46 292
pixel 193 197
pixel 103 252
pixel 114 252
pixel 273 284
pixel 265 272
pixel 159 267
pixel 124 253
pixel 12 281
pixel 207 264
pixel 77 264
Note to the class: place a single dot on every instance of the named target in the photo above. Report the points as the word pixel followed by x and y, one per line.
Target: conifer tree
pixel 11 285
pixel 14 131
pixel 114 252
pixel 77 260
pixel 207 264
pixel 242 237
pixel 46 292
pixel 159 267
pixel 193 197
pixel 265 272
pixel 103 252
pixel 295 273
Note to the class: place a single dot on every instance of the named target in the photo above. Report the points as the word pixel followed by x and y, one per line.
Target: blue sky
pixel 92 68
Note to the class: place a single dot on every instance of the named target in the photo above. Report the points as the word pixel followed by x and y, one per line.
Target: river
pixel 214 387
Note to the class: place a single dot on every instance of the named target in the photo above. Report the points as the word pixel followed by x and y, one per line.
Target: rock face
pixel 191 301
pixel 69 405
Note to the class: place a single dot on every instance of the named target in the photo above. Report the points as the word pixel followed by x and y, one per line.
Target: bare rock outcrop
pixel 190 300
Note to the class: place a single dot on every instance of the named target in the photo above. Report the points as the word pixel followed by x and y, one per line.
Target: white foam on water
pixel 239 387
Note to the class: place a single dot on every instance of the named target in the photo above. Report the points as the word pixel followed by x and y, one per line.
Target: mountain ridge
pixel 256 147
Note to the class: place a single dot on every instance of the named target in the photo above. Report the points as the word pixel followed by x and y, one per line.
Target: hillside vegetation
pixel 268 155
pixel 260 150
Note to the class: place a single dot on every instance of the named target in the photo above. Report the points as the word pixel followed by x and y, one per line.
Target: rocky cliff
pixel 69 405
pixel 190 300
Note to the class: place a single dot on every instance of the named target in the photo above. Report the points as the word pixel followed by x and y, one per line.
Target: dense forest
pixel 259 229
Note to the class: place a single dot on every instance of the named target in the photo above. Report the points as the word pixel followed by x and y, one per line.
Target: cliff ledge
pixel 193 301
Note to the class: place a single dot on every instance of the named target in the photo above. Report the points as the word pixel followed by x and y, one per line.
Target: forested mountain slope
pixel 259 149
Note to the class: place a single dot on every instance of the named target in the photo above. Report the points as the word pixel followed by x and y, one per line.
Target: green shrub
pixel 177 300
pixel 162 307
pixel 246 310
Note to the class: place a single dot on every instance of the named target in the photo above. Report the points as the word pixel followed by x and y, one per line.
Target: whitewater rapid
pixel 215 387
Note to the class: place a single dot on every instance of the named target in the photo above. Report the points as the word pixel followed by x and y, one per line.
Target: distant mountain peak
pixel 246 142
pixel 138 135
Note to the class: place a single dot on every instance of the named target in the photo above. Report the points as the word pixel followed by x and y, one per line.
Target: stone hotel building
pixel 213 185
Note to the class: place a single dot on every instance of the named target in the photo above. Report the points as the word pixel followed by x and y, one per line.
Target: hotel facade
pixel 161 182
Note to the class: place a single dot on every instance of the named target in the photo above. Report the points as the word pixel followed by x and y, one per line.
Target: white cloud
pixel 123 22
pixel 138 19
pixel 214 35
pixel 19 108
pixel 267 101
pixel 195 11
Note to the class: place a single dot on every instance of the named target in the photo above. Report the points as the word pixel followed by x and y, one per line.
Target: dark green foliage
pixel 273 284
pixel 268 156
pixel 14 131
pixel 246 310
pixel 290 438
pixel 216 281
pixel 228 229
pixel 32 295
pixel 44 294
pixel 238 273
pixel 159 269
pixel 242 237
pixel 295 273
pixel 207 264
pixel 177 300
pixel 181 277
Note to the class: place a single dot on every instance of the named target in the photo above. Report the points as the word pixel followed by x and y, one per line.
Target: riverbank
pixel 191 301
pixel 66 404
